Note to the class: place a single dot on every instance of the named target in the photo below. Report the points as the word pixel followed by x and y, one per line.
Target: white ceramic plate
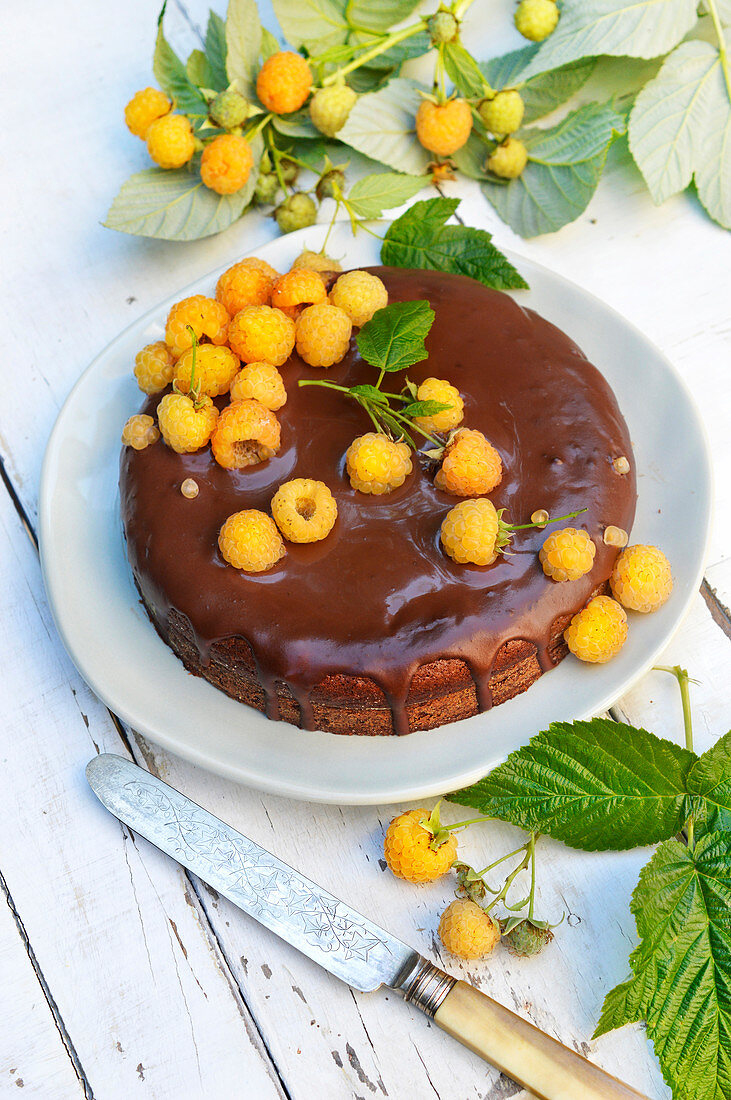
pixel 116 649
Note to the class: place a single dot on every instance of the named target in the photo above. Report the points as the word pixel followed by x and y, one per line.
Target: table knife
pixel 337 937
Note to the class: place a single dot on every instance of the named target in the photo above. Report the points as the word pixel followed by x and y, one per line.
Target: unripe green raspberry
pixel 266 189
pixel 330 107
pixel 443 27
pixel 509 159
pixel 229 109
pixel 527 939
pixel 289 170
pixel 536 19
pixel 503 113
pixel 327 184
pixel 296 212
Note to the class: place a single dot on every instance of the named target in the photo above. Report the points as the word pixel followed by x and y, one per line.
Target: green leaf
pixel 470 159
pixel 216 51
pixel 380 16
pixel 668 116
pixel 565 165
pixel 425 408
pixel 381 125
pixel 415 46
pixel 630 28
pixel 713 166
pixel 710 781
pixel 594 785
pixel 319 22
pixel 371 195
pixel 371 392
pixel 198 70
pixel 681 969
pixel 171 76
pixel 462 70
pixel 269 44
pixel 243 44
pixel 175 205
pixel 296 125
pixel 543 93
pixel 420 238
pixel 394 337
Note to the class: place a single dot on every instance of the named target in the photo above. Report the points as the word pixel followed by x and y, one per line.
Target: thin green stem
pixel 464 824
pixel 497 862
pixel 330 227
pixel 460 8
pixel 502 895
pixel 375 51
pixel 532 854
pixel 251 134
pixel 713 12
pixel 681 675
pixel 557 519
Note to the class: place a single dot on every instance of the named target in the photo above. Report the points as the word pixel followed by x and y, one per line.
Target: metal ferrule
pixel 425 985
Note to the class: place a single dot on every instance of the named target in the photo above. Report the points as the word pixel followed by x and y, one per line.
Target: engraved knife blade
pixel 309 918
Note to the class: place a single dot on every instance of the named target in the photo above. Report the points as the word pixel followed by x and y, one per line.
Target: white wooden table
pixel 119 975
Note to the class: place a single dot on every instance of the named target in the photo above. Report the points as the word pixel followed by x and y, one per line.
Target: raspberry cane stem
pixel 681 675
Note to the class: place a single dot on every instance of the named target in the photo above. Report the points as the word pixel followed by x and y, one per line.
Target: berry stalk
pixel 374 51
pixel 681 675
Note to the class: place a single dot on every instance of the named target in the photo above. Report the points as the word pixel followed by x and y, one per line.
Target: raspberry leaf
pixel 371 195
pixel 394 337
pixel 710 784
pixel 243 44
pixel 381 125
pixel 462 70
pixel 632 28
pixel 425 408
pixel 564 167
pixel 173 79
pixel 713 171
pixel 543 93
pixel 420 238
pixel 682 966
pixel 595 785
pixel 216 51
pixel 316 24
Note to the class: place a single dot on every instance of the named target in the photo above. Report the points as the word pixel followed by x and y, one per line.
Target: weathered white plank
pixel 32 1053
pixel 115 928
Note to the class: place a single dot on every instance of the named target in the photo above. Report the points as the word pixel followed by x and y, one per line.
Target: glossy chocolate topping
pixel 378 598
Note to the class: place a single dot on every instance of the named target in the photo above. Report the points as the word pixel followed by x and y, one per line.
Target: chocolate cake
pixel 374 630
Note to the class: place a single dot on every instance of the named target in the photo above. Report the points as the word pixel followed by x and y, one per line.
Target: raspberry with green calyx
pixel 526 937
pixel 503 113
pixel 331 184
pixel 438 389
pixel 250 541
pixel 215 369
pixel 467 930
pixel 598 632
pixel 418 847
pixel 186 424
pixel 641 579
pixel 330 107
pixel 475 532
pixel 536 19
pixel 296 212
pixel 443 128
pixel 304 510
pixel 567 554
pixel 509 159
pixel 229 109
pixel 442 27
pixel 377 464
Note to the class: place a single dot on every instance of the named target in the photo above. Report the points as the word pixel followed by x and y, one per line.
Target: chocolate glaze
pixel 378 598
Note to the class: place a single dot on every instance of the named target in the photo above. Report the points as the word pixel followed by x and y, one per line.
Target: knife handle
pixel 547 1068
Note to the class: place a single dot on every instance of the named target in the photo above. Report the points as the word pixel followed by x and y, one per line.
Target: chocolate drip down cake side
pixel 376 628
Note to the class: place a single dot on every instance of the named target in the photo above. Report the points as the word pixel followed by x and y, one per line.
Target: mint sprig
pixel 605 785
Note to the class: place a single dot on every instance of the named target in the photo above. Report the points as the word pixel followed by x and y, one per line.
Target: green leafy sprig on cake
pixel 601 785
pixel 668 60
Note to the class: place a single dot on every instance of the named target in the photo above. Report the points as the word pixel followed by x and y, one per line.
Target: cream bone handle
pixel 536 1061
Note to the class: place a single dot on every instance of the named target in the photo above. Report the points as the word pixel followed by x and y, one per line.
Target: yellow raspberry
pixel 360 294
pixel 186 425
pixel 262 333
pixel 316 261
pixel 467 931
pixel 139 432
pixel 246 434
pixel 323 334
pixel 443 128
pixel 284 82
pixel 509 159
pixel 226 164
pixel 144 108
pixel 376 464
pixel 470 466
pixel 503 113
pixel 206 317
pixel 641 578
pixel 215 370
pixel 250 541
pixel 154 367
pixel 409 852
pixel 170 141
pixel 263 383
pixel 304 510
pixel 536 19
pixel 298 288
pixel 330 107
pixel 567 554
pixel 244 285
pixel 438 389
pixel 470 530
pixel 598 632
